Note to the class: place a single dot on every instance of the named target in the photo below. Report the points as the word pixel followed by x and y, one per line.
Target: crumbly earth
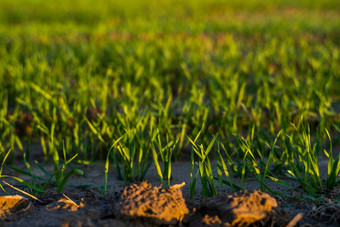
pixel 13 206
pixel 160 206
pixel 240 209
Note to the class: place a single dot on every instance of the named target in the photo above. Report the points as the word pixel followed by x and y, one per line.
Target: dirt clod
pixel 160 206
pixel 241 209
pixel 11 206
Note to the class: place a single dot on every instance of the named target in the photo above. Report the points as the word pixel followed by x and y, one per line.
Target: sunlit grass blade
pixel 43 170
pixel 221 165
pixel 2 165
pixel 66 177
pixel 333 167
pixel 107 163
pixel 158 168
pixel 24 172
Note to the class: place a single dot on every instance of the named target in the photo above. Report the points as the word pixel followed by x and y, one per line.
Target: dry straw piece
pixel 65 203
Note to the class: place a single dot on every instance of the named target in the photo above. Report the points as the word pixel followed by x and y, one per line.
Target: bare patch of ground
pixel 84 204
pixel 139 204
pixel 240 209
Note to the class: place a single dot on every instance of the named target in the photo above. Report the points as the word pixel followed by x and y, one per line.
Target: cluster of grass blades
pixel 259 164
pixel 204 168
pixel 304 166
pixel 222 168
pixel 262 166
pixel 128 153
pixel 38 184
pixel 165 152
pixel 107 164
pixel 128 150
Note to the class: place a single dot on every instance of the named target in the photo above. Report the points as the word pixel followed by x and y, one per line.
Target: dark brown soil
pixel 150 205
pixel 241 209
pixel 139 204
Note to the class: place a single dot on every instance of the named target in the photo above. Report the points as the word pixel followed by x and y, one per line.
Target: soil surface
pixel 147 204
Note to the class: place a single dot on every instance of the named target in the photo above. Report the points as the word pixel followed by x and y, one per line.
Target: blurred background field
pixel 147 75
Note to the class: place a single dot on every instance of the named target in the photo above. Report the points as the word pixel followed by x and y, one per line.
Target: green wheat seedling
pixel 8 137
pixel 2 165
pixel 333 167
pixel 127 153
pixel 222 168
pixel 61 175
pixel 134 148
pixel 38 184
pixel 143 162
pixel 248 161
pixel 309 177
pixel 3 121
pixel 308 174
pixel 204 168
pixel 165 152
pixel 107 163
pixel 52 142
pixel 268 174
pixel 260 172
pixel 58 178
